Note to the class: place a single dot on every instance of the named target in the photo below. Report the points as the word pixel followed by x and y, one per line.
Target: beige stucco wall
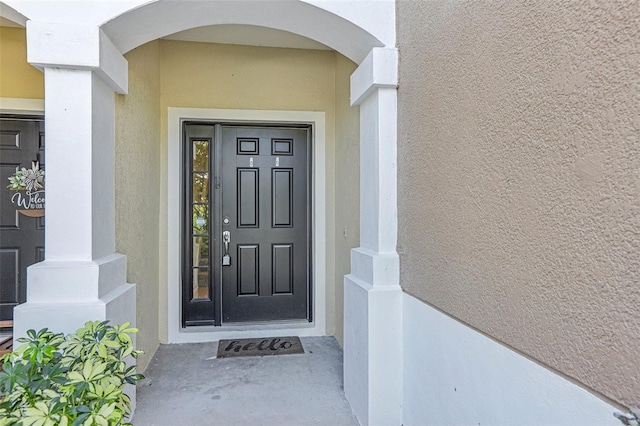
pixel 138 188
pixel 206 75
pixel 519 177
pixel 347 199
pixel 18 79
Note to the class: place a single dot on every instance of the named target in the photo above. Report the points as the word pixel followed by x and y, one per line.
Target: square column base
pixel 65 316
pixel 373 351
pixel 63 295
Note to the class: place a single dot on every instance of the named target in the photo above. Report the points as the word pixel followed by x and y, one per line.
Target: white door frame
pixel 22 106
pixel 172 289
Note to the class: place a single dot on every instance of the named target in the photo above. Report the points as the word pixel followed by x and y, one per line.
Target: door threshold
pixel 210 333
pixel 245 324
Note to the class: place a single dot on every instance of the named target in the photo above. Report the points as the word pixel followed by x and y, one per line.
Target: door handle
pixel 226 239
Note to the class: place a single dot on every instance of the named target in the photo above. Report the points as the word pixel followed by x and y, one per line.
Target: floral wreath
pixel 30 179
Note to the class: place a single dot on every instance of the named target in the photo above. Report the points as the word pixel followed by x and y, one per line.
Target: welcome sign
pixel 28 185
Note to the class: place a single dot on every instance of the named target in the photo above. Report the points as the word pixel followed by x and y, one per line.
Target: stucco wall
pixel 207 75
pixel 519 177
pixel 347 201
pixel 18 79
pixel 138 188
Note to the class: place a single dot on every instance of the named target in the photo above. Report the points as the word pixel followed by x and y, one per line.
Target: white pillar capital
pixel 378 70
pixel 77 47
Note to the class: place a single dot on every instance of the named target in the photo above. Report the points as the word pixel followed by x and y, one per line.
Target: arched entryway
pixel 83 67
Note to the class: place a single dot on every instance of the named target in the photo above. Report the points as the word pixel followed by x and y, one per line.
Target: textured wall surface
pixel 347 184
pixel 18 79
pixel 138 188
pixel 519 177
pixel 208 75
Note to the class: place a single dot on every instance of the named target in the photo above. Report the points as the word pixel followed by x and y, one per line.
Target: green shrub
pixel 71 380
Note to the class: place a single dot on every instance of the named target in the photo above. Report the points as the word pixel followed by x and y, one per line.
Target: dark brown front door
pixel 21 237
pixel 246 256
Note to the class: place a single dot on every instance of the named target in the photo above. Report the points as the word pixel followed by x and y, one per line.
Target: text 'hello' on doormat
pixel 260 347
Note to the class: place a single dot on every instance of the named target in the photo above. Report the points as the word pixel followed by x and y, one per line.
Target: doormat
pixel 260 347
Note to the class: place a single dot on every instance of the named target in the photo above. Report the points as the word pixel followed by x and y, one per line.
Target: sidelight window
pixel 200 212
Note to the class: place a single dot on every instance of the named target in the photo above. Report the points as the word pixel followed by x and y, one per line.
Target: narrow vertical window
pixel 200 229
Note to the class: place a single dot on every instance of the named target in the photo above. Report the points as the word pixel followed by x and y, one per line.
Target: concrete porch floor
pixel 186 385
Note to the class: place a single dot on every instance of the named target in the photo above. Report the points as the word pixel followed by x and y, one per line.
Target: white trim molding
pixel 21 106
pixel 172 292
pixel 471 379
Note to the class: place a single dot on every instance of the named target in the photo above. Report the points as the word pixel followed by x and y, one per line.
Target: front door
pixel 21 237
pixel 246 250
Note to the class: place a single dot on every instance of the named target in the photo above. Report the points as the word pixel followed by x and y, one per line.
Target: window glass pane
pixel 200 251
pixel 200 219
pixel 201 155
pixel 201 284
pixel 200 187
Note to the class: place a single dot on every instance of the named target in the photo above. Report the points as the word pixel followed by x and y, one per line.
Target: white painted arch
pixel 161 18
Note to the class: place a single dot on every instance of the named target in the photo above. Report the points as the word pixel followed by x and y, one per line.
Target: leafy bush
pixel 71 380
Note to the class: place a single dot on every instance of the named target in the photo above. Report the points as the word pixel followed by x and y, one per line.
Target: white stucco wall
pixel 454 375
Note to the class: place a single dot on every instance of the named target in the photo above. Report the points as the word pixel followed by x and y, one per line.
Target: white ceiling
pixel 250 35
pixel 4 22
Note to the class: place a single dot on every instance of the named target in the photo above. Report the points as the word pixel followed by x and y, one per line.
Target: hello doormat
pixel 260 347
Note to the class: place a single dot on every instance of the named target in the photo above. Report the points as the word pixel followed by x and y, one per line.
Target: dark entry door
pixel 21 237
pixel 264 201
pixel 255 216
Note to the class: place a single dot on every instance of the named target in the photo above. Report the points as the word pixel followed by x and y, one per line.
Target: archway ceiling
pixel 5 22
pixel 250 35
pixel 162 18
pixel 10 17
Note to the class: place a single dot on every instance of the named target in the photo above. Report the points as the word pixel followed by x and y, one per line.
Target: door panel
pixel 248 198
pixel 248 267
pixel 282 268
pixel 258 191
pixel 282 198
pixel 10 289
pixel 21 237
pixel 265 189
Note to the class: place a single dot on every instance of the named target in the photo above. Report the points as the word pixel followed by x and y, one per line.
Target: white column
pixel 372 294
pixel 82 278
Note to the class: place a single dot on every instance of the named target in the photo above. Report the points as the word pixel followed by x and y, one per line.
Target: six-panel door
pixel 265 198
